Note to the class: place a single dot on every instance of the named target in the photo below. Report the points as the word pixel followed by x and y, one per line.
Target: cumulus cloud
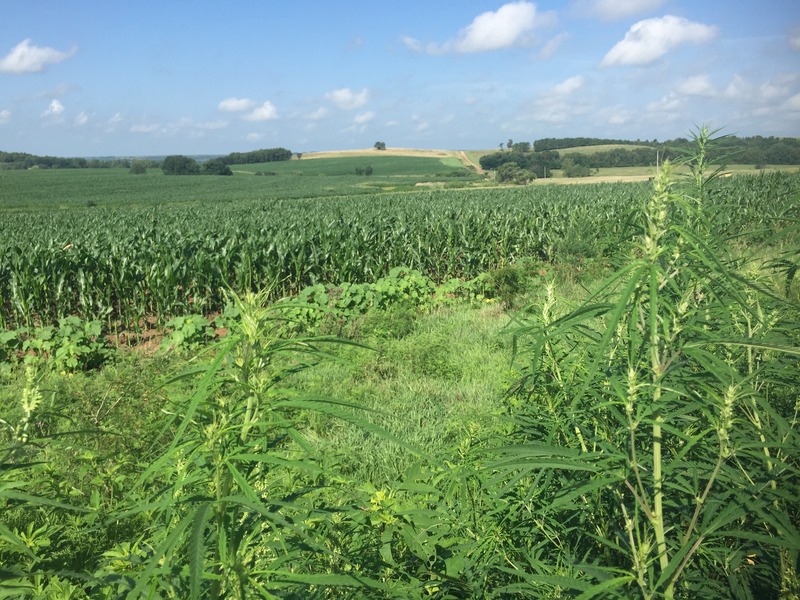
pixel 27 58
pixel 738 88
pixel 650 39
pixel 82 119
pixel 568 86
pixel 348 99
pixel 793 103
pixel 611 10
pixel 236 105
pixel 5 115
pixel 319 114
pixel 364 118
pixel 558 105
pixel 265 112
pixel 669 103
pixel 54 110
pixel 619 116
pixel 510 25
pixel 697 85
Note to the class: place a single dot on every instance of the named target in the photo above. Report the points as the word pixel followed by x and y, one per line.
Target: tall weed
pixel 657 447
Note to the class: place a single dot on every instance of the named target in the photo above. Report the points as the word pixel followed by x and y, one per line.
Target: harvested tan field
pixel 387 152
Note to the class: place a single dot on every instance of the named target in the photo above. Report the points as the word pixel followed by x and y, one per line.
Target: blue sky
pixel 103 78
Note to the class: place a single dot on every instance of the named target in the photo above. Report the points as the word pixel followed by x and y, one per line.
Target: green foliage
pixel 647 449
pixel 656 417
pixel 380 145
pixel 138 167
pixel 216 166
pixel 570 168
pixel 264 155
pixel 72 345
pixel 180 165
pixel 511 172
pixel 187 333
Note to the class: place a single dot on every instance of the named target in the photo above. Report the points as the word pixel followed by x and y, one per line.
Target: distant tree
pixel 299 155
pixel 216 166
pixel 510 144
pixel 501 146
pixel 178 164
pixel 380 145
pixel 511 172
pixel 570 168
pixel 138 167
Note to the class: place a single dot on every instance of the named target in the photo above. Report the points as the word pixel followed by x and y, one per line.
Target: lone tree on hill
pixel 380 145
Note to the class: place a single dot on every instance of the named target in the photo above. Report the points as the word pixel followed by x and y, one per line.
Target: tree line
pixel 23 160
pixel 541 157
pixel 756 150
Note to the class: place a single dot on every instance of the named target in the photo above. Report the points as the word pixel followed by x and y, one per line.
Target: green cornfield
pixel 123 265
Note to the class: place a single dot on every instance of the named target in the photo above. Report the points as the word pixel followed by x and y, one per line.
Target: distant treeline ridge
pixel 23 160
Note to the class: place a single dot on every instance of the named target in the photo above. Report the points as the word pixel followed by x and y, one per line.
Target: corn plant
pixel 658 451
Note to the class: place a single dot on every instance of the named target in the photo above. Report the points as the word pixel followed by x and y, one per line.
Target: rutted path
pixel 466 160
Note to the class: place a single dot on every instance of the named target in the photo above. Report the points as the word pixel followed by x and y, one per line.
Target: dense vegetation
pixel 122 265
pixel 632 433
pixel 544 157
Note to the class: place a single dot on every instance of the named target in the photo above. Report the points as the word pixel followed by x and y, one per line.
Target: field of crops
pixel 70 188
pixel 622 427
pixel 121 264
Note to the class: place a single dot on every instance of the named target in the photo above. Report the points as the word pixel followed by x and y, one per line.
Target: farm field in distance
pixel 305 380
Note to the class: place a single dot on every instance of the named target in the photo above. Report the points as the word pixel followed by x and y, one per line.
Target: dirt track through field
pixel 466 160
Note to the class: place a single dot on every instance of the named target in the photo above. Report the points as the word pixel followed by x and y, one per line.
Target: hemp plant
pixel 658 440
pixel 231 498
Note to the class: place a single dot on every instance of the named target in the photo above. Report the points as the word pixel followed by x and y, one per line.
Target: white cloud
pixel 510 25
pixel 26 58
pixel 82 118
pixel 737 89
pixel 697 85
pixel 794 39
pixel 556 106
pixel 569 86
pixel 209 125
pixel 236 105
pixel 619 116
pixel 650 39
pixel 553 44
pixel 364 118
pixel 112 123
pixel 54 110
pixel 265 112
pixel 319 114
pixel 5 116
pixel 347 99
pixel 669 103
pixel 621 9
pixel 148 128
pixel 254 137
pixel 184 125
pixel 793 103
